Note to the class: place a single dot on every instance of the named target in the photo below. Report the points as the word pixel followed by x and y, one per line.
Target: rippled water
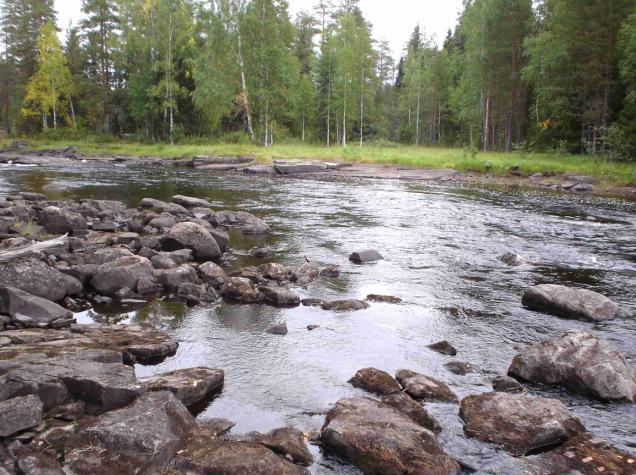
pixel 441 245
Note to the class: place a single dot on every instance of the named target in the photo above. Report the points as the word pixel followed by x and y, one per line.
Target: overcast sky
pixel 392 20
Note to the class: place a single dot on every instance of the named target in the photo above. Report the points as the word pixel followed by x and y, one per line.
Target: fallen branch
pixel 33 249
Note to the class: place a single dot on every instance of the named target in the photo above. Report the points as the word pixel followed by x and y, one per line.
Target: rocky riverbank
pixel 70 399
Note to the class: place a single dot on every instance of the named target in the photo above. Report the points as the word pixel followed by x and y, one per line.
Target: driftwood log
pixel 33 248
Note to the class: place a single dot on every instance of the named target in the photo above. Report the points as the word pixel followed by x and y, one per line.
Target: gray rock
pixel 375 381
pixel 30 196
pixel 37 463
pixel 312 302
pixel 362 257
pixel 105 226
pixel 305 274
pixel 171 279
pixel 412 409
pixel 140 438
pixel 569 302
pixel 578 361
pixel 179 257
pixel 522 424
pixel 380 440
pixel 241 290
pixel 192 236
pixel 37 278
pixel 162 262
pixel 506 384
pixel 188 385
pixel 383 298
pixel 125 272
pixel 280 296
pixel 163 222
pixel 190 202
pixel 163 207
pixel 217 426
pixel 41 312
pixel 19 413
pixel 422 387
pixel 280 329
pixel 246 222
pixel 292 167
pixel 195 294
pixel 262 252
pixel 444 348
pixel 212 274
pixel 58 221
pixel 221 237
pixel 344 305
pixel 285 441
pixel 512 259
pixel 275 271
pixel 461 368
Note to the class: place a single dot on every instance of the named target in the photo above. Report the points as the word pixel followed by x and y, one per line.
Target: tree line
pixel 547 75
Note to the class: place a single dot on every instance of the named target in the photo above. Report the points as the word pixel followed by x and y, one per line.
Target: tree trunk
pixel 248 112
pixel 486 130
pixel 344 115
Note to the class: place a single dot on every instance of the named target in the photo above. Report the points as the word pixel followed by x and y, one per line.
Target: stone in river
pixel 280 296
pixel 362 257
pixel 422 387
pixel 190 202
pixel 188 385
pixel 383 298
pixel 444 348
pixel 522 424
pixel 412 409
pixel 344 305
pixel 568 302
pixel 241 289
pixel 375 381
pixel 188 235
pixel 280 329
pixel 506 384
pixel 461 368
pixel 286 441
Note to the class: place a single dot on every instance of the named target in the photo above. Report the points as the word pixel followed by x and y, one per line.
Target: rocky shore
pixel 70 401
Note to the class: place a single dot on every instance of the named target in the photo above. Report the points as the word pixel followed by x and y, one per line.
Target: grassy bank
pixel 494 163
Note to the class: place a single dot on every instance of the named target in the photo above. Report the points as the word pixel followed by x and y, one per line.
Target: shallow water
pixel 441 245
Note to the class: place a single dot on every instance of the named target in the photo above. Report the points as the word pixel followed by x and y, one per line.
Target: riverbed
pixel 440 243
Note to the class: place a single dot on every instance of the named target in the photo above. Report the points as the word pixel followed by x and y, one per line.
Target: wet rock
pixel 37 278
pixel 190 202
pixel 312 327
pixel 221 237
pixel 506 384
pixel 375 381
pixel 280 329
pixel 292 167
pixel 251 273
pixel 58 221
pixel 37 463
pixel 568 302
pixel 163 207
pixel 379 439
pixel 188 385
pixel 344 305
pixel 140 438
pixel 383 298
pixel 461 368
pixel 262 252
pixel 212 274
pixel 171 279
pixel 275 271
pixel 30 196
pixel 362 257
pixel 444 348
pixel 578 361
pixel 287 442
pixel 512 259
pixel 331 271
pixel 246 222
pixel 583 455
pixel 39 311
pixel 19 413
pixel 425 388
pixel 522 424
pixel 241 290
pixel 412 409
pixel 217 426
pixel 312 302
pixel 125 272
pixel 280 296
pixel 195 294
pixel 227 456
pixel 192 236
pixel 305 274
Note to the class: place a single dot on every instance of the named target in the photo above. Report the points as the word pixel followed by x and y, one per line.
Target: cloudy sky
pixel 392 20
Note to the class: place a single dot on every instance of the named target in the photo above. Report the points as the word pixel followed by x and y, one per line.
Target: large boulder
pixel 192 236
pixel 379 439
pixel 19 413
pixel 522 424
pixel 275 271
pixel 212 274
pixel 171 279
pixel 246 222
pixel 280 296
pixel 124 273
pixel 140 438
pixel 37 278
pixel 580 362
pixel 190 202
pixel 287 441
pixel 375 381
pixel 241 289
pixel 569 302
pixel 425 388
pixel 412 409
pixel 188 385
pixel 59 221
pixel 38 311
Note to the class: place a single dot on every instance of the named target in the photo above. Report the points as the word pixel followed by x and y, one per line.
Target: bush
pixel 614 144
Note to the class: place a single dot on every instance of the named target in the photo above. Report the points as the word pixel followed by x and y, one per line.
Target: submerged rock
pixel 362 257
pixel 568 302
pixel 422 387
pixel 383 298
pixel 280 329
pixel 578 361
pixel 344 305
pixel 140 438
pixel 512 259
pixel 379 439
pixel 375 381
pixel 522 424
pixel 444 348
pixel 188 235
pixel 188 385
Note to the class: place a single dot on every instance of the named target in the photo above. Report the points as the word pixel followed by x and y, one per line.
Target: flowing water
pixel 440 244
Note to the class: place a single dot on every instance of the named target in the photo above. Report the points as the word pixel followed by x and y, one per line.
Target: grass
pixel 494 163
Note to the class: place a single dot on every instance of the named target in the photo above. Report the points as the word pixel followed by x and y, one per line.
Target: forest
pixel 554 75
